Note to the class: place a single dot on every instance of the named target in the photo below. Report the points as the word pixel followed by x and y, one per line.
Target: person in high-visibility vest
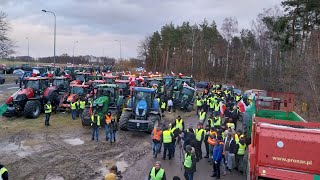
pixel 157 173
pixel 212 140
pixel 156 141
pixel 180 123
pixel 216 108
pixel 47 111
pixel 216 121
pixel 238 135
pixel 82 106
pixel 199 104
pixel 202 116
pixel 108 121
pixel 73 107
pixel 200 133
pixel 241 146
pixel 3 173
pixel 189 163
pixel 163 107
pixel 230 124
pixel 95 125
pixel 167 137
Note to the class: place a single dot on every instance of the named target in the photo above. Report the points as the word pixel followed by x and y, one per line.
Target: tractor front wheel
pixel 153 121
pixel 32 109
pixel 124 118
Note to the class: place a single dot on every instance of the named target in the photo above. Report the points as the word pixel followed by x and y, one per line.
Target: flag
pixel 35 71
pixel 180 74
pixel 222 108
pixel 242 106
pixel 172 73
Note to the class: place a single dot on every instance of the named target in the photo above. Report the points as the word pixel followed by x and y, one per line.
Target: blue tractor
pixel 142 112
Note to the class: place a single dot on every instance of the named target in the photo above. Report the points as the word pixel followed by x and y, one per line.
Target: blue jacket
pixel 217 152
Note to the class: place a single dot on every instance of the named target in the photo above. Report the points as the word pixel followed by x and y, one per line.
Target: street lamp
pixel 28 48
pixel 74 44
pixel 54 41
pixel 120 47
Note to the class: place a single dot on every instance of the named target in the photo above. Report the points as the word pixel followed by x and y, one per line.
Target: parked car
pixel 23 76
pixel 2 79
pixel 18 72
pixel 202 84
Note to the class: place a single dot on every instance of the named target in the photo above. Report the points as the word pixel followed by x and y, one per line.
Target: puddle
pixel 107 164
pixel 122 165
pixel 8 147
pixel 19 149
pixel 74 141
pixel 54 177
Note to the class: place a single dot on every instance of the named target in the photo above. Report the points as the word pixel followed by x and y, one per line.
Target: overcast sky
pixel 96 24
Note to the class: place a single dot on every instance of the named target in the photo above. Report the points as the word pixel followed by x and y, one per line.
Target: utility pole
pixel 28 49
pixel 120 48
pixel 54 41
pixel 74 44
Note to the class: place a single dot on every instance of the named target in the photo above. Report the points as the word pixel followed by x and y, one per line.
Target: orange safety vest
pixel 213 133
pixel 108 119
pixel 223 148
pixel 211 141
pixel 156 134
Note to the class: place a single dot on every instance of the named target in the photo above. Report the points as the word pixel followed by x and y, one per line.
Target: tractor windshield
pixel 147 96
pixel 187 91
pixel 168 81
pixel 178 83
pixel 58 82
pixel 80 77
pixel 77 90
pixel 105 92
pixel 109 80
pixel 155 82
pixel 125 77
pixel 33 84
pixel 122 85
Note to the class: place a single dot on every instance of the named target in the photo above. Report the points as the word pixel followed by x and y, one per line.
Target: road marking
pixel 12 87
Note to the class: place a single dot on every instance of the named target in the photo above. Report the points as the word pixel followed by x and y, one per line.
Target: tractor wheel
pixel 153 121
pixel 124 118
pixel 54 99
pixel 189 108
pixel 32 109
pixel 86 119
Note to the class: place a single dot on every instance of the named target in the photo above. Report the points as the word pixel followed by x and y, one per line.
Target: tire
pixel 189 108
pixel 32 109
pixel 153 121
pixel 86 121
pixel 124 118
pixel 54 99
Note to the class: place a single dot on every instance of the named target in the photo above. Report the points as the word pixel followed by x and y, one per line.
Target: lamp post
pixel 74 44
pixel 54 41
pixel 120 47
pixel 28 48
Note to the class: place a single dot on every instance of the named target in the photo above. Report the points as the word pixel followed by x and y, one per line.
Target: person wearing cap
pixel 157 173
pixel 47 111
pixel 3 173
pixel 189 163
pixel 217 157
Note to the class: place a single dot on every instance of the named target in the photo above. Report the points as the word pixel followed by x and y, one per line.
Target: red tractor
pixel 30 99
pixel 81 78
pixel 77 91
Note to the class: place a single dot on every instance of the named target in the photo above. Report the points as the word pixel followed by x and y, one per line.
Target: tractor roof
pixel 168 77
pixel 110 76
pixel 144 89
pixel 85 73
pixel 154 79
pixel 108 85
pixel 60 77
pixel 98 81
pixel 36 78
pixel 122 81
pixel 80 85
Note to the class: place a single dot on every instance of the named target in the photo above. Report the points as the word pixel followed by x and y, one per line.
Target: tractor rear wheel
pixel 153 121
pixel 32 109
pixel 124 118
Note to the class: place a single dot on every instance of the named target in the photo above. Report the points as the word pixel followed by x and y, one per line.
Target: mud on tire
pixel 124 118
pixel 153 121
pixel 32 109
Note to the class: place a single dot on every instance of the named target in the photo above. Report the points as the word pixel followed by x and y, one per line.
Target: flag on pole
pixel 242 106
pixel 222 108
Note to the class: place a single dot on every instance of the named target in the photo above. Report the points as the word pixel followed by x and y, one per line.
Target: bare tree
pixel 6 44
pixel 229 29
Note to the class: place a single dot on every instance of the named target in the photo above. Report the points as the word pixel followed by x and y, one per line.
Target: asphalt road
pixel 8 87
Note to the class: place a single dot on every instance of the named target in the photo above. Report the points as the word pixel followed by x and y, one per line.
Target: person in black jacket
pixel 4 173
pixel 206 140
pixel 230 150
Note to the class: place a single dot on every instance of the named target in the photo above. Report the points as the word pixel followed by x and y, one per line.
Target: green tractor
pixel 184 99
pixel 107 99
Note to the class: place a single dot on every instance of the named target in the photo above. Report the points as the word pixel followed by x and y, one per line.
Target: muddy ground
pixel 65 151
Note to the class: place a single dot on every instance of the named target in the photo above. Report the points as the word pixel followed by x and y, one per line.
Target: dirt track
pixel 65 151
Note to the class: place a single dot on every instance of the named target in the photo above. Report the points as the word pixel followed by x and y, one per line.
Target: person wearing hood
pixel 189 163
pixel 241 148
pixel 217 157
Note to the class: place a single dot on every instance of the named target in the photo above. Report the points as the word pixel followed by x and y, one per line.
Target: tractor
pixel 107 98
pixel 184 98
pixel 81 78
pixel 156 83
pixel 62 83
pixel 142 112
pixel 168 85
pixel 77 91
pixel 124 86
pixel 110 79
pixel 30 99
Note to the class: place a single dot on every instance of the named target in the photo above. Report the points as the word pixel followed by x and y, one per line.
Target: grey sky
pixel 97 23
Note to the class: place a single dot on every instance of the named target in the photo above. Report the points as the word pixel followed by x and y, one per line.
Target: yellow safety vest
pixel 93 120
pixel 82 104
pixel 216 107
pixel 238 98
pixel 237 138
pixel 210 122
pixel 172 129
pixel 241 149
pixel 202 116
pixel 199 134
pixel 199 103
pixel 157 176
pixel 230 125
pixel 211 104
pixel 163 105
pixel 48 108
pixel 158 99
pixel 179 124
pixel 218 121
pixel 2 171
pixel 187 161
pixel 73 106
pixel 167 136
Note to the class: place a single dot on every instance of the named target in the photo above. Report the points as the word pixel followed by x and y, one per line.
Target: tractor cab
pixel 38 84
pixel 188 80
pixel 109 90
pixel 110 79
pixel 80 78
pixel 184 98
pixel 168 81
pixel 125 77
pixel 156 83
pixel 62 83
pixel 124 86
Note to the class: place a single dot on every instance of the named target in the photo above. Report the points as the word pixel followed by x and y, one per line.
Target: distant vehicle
pixel 202 84
pixel 2 79
pixel 22 77
pixel 18 72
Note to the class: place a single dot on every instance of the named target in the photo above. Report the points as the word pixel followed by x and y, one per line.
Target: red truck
pixel 283 146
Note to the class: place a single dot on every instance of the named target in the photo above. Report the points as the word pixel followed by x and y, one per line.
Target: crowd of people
pixel 216 134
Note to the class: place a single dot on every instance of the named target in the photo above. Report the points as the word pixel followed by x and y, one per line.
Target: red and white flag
pixel 242 106
pixel 222 108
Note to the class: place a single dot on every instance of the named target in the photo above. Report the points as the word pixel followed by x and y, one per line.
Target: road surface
pixel 8 87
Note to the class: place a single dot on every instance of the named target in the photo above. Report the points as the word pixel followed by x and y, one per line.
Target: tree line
pixel 281 52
